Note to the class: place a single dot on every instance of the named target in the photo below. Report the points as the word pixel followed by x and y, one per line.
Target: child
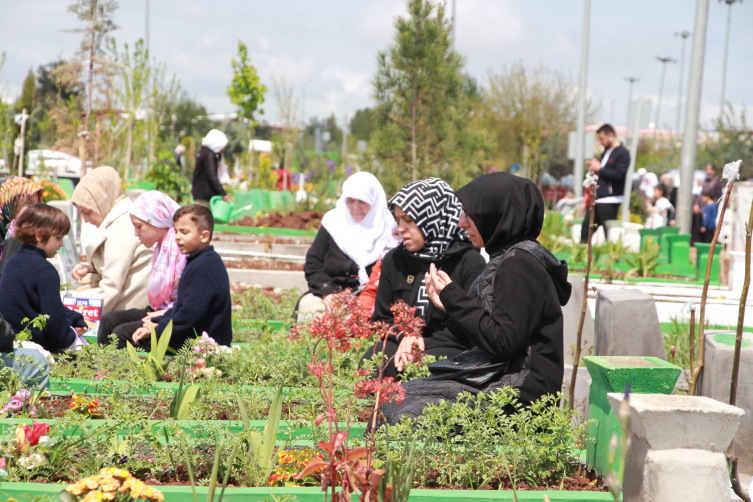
pixel 203 302
pixel 662 210
pixel 708 226
pixel 30 285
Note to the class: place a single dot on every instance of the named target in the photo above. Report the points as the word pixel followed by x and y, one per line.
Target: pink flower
pixel 23 395
pixel 15 404
pixel 389 390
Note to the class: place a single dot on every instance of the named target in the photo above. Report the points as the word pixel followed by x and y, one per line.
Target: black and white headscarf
pixel 432 204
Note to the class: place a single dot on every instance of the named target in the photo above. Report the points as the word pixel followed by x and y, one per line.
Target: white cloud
pixel 488 25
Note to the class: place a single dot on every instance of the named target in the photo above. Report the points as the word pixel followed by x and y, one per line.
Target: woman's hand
pixel 156 313
pixel 436 281
pixel 405 350
pixel 80 331
pixel 140 334
pixel 80 270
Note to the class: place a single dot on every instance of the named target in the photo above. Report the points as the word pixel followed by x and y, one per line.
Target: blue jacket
pixel 203 301
pixel 709 217
pixel 29 287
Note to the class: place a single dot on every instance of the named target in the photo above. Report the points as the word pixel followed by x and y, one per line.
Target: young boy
pixel 204 289
pixel 662 210
pixel 708 225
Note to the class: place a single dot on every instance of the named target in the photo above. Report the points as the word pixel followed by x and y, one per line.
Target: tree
pixel 285 138
pixel 422 112
pixel 246 92
pixel 735 143
pixel 362 124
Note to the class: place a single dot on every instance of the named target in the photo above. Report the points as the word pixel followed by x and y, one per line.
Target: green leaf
pixel 67 497
pixel 164 342
pixel 132 352
pixel 244 414
pixel 189 397
pixel 270 430
pixel 215 471
pixel 189 465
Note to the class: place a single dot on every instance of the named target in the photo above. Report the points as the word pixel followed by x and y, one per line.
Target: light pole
pixel 631 81
pixel 684 35
pixel 581 124
pixel 663 62
pixel 726 51
pixel 453 25
pixel 692 110
pixel 303 118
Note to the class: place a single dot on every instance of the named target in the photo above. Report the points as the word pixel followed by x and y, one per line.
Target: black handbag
pixel 7 336
pixel 474 367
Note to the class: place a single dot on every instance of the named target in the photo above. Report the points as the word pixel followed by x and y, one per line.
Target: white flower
pixel 45 441
pixel 732 171
pixel 590 180
pixel 32 461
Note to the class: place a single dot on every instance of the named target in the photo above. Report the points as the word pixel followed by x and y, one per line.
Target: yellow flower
pixel 92 483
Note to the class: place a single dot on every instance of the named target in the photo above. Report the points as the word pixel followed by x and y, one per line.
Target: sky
pixel 332 46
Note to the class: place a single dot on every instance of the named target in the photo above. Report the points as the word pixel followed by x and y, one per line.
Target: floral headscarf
pixel 157 209
pixel 14 192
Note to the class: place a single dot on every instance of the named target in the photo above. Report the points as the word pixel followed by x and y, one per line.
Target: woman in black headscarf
pixel 512 313
pixel 428 216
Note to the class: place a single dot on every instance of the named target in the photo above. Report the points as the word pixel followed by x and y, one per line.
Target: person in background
pixel 349 242
pixel 712 186
pixel 119 266
pixel 15 193
pixel 512 313
pixel 648 183
pixel 206 179
pixel 369 293
pixel 203 303
pixel 284 178
pixel 428 219
pixel 669 181
pixel 152 217
pixel 612 171
pixel 180 150
pixel 568 204
pixel 30 286
pixel 708 225
pixel 661 211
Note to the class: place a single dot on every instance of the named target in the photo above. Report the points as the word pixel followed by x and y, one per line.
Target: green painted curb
pixel 240 229
pixel 646 375
pixel 730 338
pixel 314 494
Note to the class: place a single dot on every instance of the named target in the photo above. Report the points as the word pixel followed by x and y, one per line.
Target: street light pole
pixel 631 81
pixel 692 111
pixel 726 51
pixel 453 25
pixel 663 62
pixel 684 35
pixel 580 133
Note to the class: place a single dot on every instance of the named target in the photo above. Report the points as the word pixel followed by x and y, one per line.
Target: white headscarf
pixel 648 183
pixel 362 242
pixel 215 140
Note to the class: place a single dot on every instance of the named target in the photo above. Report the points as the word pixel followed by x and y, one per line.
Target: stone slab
pixel 582 388
pixel 716 379
pixel 627 324
pixel 571 318
pixel 613 374
pixel 284 279
pixel 280 249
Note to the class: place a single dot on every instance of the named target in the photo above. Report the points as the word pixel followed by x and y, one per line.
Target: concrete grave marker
pixel 571 318
pixel 627 324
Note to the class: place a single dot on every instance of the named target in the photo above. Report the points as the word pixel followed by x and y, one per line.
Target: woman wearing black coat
pixel 206 182
pixel 512 313
pixel 428 216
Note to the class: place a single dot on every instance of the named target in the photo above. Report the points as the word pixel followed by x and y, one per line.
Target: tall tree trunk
pixel 96 140
pixel 414 146
pixel 252 157
pixel 85 138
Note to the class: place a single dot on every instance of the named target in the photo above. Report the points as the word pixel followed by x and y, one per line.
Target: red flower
pixel 389 390
pixel 34 434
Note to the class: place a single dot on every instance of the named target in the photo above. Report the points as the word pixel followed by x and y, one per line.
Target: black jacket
pixel 10 246
pixel 206 183
pixel 328 269
pixel 29 287
pixel 203 301
pixel 612 176
pixel 463 263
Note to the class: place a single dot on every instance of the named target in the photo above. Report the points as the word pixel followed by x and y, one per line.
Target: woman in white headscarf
pixel 648 183
pixel 352 237
pixel 206 182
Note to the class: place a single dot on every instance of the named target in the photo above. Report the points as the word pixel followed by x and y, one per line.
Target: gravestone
pixel 627 324
pixel 678 447
pixel 571 317
pixel 648 375
pixel 717 375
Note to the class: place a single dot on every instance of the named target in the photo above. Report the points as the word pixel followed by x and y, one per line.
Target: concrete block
pixel 571 318
pixel 277 248
pixel 627 324
pixel 678 446
pixel 284 279
pixel 582 388
pixel 717 373
pixel 649 375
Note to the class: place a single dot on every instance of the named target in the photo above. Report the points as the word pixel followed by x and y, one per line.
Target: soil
pixel 269 291
pixel 584 482
pixel 307 220
pixel 264 264
pixel 273 240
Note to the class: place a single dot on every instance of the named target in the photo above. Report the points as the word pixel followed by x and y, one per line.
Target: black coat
pixel 203 301
pixel 401 277
pixel 10 246
pixel 328 269
pixel 612 175
pixel 29 287
pixel 206 183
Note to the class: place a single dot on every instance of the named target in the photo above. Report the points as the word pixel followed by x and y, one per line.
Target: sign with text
pixel 90 308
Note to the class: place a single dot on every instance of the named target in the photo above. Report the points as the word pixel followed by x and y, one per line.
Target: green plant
pixel 184 400
pixel 579 254
pixel 396 482
pixel 155 364
pixel 162 172
pixel 646 261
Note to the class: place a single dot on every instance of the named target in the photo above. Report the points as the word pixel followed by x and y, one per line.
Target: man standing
pixel 712 186
pixel 610 189
pixel 178 154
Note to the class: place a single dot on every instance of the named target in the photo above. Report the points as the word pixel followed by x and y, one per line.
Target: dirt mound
pixel 307 220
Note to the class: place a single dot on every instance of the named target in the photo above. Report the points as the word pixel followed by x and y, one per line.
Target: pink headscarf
pixel 157 209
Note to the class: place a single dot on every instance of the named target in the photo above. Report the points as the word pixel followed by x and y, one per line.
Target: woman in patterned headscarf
pixel 15 193
pixel 119 266
pixel 428 216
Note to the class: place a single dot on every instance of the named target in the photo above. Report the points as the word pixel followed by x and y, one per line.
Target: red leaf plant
pixel 344 325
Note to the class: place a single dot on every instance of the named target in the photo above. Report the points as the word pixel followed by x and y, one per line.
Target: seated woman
pixel 350 240
pixel 427 214
pixel 15 193
pixel 152 217
pixel 512 313
pixel 119 266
